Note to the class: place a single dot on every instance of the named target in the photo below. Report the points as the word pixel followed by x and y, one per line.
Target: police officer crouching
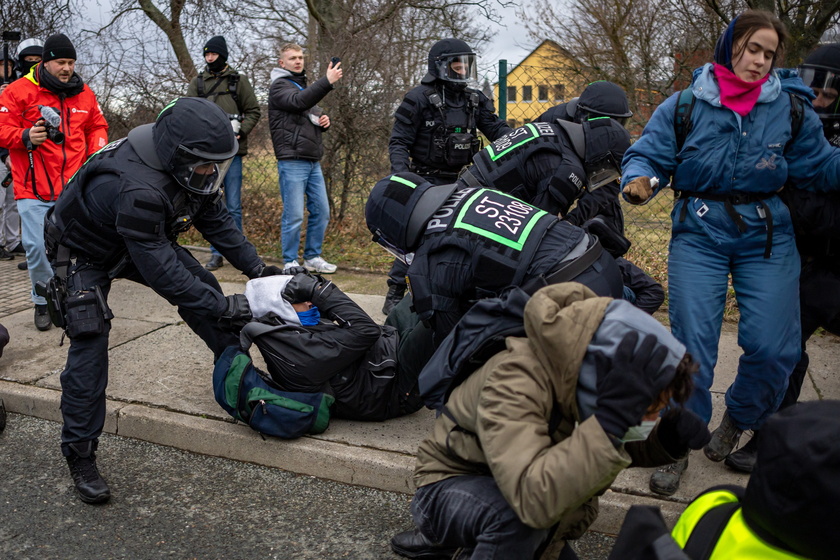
pixel 464 244
pixel 119 217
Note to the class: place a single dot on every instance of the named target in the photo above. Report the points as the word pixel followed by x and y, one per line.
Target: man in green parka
pixel 231 91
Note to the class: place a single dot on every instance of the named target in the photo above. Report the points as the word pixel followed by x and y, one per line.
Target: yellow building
pixel 546 77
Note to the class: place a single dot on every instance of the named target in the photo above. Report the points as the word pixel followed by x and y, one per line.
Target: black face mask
pixel 217 65
pixel 25 67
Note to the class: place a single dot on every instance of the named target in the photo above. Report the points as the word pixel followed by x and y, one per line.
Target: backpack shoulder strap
pixel 682 116
pixel 703 539
pixel 233 81
pixel 797 115
pixel 200 86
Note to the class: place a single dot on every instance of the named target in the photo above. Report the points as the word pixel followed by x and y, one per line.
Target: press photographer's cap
pixel 58 46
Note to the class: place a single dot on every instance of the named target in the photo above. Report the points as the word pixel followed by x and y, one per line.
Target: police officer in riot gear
pixel 598 99
pixel 464 244
pixel 550 165
pixel 436 128
pixel 816 222
pixel 119 217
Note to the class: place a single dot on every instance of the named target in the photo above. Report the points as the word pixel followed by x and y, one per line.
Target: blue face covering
pixel 310 317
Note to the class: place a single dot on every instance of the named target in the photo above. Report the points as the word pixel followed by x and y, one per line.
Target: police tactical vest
pixel 71 223
pixel 453 140
pixel 501 164
pixel 500 232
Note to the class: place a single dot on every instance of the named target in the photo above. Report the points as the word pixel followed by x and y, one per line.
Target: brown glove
pixel 638 190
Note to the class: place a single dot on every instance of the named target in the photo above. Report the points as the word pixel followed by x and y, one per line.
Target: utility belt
pixel 81 313
pixel 567 271
pixel 730 200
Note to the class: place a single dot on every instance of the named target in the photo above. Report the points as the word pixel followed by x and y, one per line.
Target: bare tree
pixel 806 20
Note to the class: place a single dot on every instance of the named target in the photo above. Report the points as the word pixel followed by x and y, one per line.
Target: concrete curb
pixel 349 464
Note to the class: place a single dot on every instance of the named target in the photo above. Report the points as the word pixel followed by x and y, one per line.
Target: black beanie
pixel 58 46
pixel 217 45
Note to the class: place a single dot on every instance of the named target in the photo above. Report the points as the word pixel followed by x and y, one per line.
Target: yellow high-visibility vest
pixel 736 541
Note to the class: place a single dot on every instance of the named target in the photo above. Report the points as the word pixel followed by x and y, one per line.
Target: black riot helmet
pixel 601 99
pixel 195 143
pixel 452 60
pixel 398 209
pixel 600 143
pixel 821 72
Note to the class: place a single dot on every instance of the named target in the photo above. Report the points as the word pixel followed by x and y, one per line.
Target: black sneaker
pixel 42 318
pixel 5 255
pixel 216 262
pixel 395 294
pixel 743 460
pixel 90 485
pixel 724 439
pixel 17 249
pixel 23 265
pixel 666 480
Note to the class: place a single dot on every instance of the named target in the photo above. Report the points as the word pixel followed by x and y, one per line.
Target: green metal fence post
pixel 503 89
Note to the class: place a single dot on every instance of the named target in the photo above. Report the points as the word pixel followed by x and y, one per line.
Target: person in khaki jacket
pixel 528 441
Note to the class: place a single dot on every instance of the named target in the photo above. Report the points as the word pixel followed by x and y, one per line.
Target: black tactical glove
pixel 271 271
pixel 293 270
pixel 628 388
pixel 237 314
pixel 680 430
pixel 300 288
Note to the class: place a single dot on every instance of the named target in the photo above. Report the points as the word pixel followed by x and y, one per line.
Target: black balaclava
pixel 217 45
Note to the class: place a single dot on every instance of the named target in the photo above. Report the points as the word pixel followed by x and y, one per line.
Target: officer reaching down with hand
pixel 120 217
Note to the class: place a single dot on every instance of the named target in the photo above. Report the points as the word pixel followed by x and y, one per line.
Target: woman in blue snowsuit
pixel 739 152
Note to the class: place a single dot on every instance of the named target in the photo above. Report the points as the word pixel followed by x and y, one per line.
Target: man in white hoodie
pixel 296 123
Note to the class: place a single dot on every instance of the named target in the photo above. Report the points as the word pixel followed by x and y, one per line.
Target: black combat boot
pixel 90 485
pixel 395 295
pixel 743 460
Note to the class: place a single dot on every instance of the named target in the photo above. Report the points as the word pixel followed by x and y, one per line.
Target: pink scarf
pixel 735 93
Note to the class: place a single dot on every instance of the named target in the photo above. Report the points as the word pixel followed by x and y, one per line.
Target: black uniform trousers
pixel 85 374
pixel 819 302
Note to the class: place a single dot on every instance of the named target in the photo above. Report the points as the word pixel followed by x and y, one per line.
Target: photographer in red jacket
pixel 50 122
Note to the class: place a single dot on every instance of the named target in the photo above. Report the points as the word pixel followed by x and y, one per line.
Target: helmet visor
pixel 457 68
pixel 602 171
pixel 197 172
pixel 401 255
pixel 826 86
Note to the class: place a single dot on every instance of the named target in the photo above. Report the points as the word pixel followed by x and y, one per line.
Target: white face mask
pixel 640 432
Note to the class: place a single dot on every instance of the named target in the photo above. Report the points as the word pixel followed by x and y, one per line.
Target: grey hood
pixel 621 317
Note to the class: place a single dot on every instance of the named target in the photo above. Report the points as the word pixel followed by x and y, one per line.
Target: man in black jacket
pixel 338 349
pixel 296 123
pixel 435 129
pixel 119 217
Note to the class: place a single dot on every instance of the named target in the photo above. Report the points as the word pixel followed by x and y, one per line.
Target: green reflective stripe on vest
pixel 736 541
pixel 515 141
pixel 405 182
pixel 498 217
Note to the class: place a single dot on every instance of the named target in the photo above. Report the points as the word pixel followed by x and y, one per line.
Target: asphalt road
pixel 168 503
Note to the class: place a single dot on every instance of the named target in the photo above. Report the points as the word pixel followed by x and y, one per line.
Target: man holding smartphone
pixel 296 123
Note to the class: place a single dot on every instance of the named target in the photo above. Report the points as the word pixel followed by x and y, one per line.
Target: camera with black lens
pixel 52 122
